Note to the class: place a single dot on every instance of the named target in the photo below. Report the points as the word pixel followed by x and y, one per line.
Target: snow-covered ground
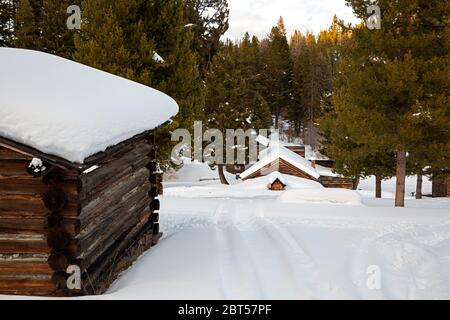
pixel 245 242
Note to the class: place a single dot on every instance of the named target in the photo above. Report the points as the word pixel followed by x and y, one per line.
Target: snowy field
pixel 244 242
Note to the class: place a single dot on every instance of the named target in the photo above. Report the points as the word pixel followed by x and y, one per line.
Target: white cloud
pixel 259 16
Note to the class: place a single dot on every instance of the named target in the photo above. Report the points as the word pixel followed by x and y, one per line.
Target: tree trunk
pixel 356 183
pixel 223 180
pixel 401 177
pixel 377 186
pixel 311 110
pixel 419 185
pixel 277 118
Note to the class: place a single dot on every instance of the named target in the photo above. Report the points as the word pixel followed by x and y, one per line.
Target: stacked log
pixel 67 217
pixel 441 188
pixel 337 182
pixel 23 228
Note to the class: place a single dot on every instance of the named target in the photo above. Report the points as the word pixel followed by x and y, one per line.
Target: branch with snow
pixel 158 58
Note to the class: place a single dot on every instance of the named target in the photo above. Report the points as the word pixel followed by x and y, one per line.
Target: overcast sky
pixel 258 16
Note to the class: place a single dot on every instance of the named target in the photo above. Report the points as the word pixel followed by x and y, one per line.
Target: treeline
pixel 274 81
pixel 128 38
pixel 375 101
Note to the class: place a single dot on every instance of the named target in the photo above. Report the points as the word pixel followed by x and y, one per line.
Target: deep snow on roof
pixel 276 151
pixel 70 110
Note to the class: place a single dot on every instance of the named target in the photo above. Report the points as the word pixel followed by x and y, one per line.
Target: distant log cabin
pixel 284 159
pixel 67 202
pixel 276 182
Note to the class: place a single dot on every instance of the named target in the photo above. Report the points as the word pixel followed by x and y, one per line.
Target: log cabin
pixel 79 183
pixel 276 182
pixel 279 158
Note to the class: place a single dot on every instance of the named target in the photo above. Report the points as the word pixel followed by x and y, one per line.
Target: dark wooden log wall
pixel 23 222
pixel 337 182
pixel 89 219
pixel 448 187
pixel 300 150
pixel 441 188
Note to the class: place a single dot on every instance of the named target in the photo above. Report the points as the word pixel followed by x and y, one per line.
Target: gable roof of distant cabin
pixel 277 151
pixel 69 111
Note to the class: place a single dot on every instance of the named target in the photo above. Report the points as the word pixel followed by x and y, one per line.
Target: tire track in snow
pixel 272 264
pixel 236 277
pixel 241 231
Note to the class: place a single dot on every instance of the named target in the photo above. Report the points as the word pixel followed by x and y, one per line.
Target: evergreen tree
pixel 42 25
pixel 352 155
pixel 27 24
pixel 260 117
pixel 311 79
pixel 297 44
pixel 180 74
pixel 277 72
pixel 122 37
pixel 209 20
pixel 114 40
pixel 56 38
pixel 233 100
pixel 330 42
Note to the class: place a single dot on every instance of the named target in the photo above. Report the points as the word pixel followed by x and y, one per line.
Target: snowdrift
pixel 332 196
pixel 193 171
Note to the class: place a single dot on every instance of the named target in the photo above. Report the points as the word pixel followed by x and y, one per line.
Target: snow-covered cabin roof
pixel 277 151
pixel 274 176
pixel 70 110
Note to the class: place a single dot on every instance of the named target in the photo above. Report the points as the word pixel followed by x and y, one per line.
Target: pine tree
pixel 233 100
pixel 252 98
pixel 114 40
pixel 223 108
pixel 330 42
pixel 122 37
pixel 56 38
pixel 311 85
pixel 27 25
pixel 42 25
pixel 297 111
pixel 297 44
pixel 209 20
pixel 277 72
pixel 352 155
pixel 180 74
